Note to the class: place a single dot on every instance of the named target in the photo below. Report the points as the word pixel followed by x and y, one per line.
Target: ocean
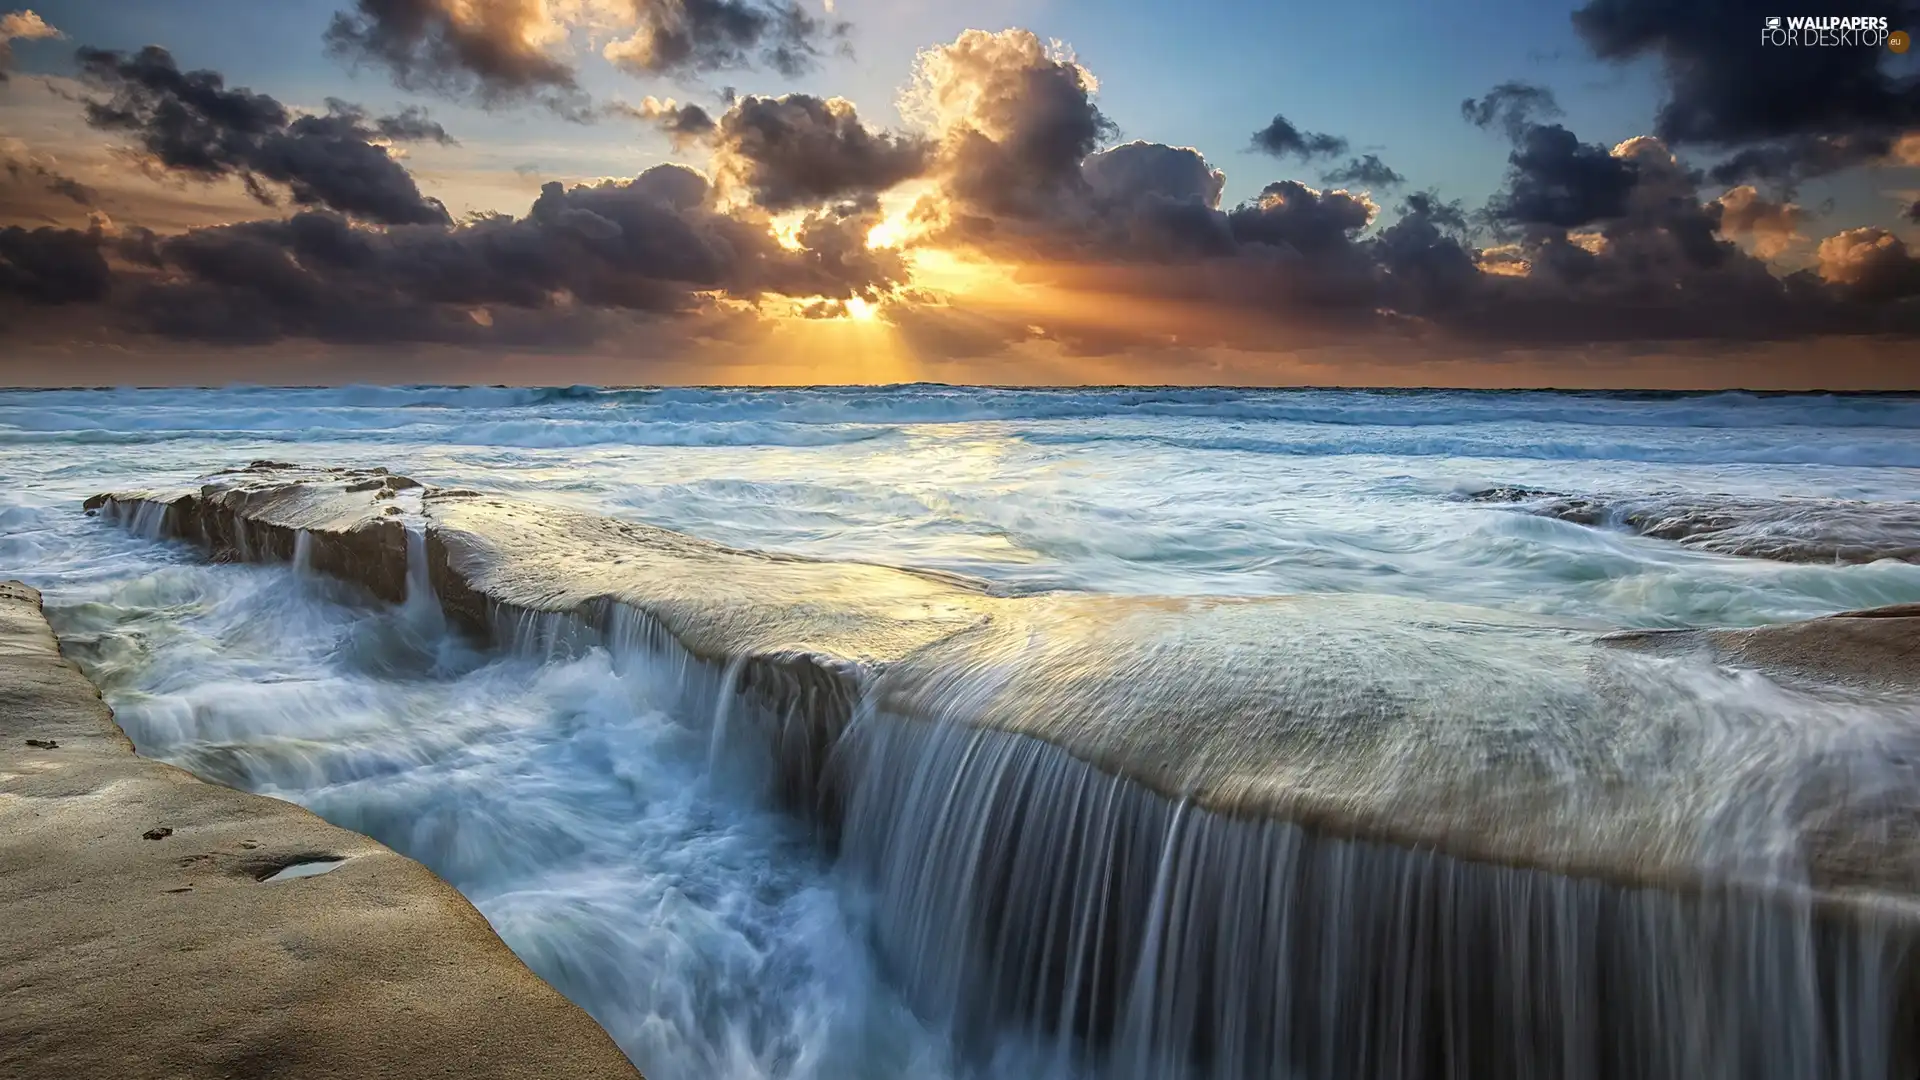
pixel 606 834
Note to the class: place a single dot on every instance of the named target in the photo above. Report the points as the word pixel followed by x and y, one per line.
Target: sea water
pixel 603 834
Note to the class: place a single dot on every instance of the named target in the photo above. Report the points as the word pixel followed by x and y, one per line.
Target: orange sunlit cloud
pixel 1003 228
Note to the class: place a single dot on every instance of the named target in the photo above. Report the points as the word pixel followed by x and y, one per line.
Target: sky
pixel 1604 193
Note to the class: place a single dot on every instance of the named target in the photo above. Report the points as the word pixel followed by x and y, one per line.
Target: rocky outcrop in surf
pixel 1786 530
pixel 1878 648
pixel 161 927
pixel 789 635
pixel 1235 838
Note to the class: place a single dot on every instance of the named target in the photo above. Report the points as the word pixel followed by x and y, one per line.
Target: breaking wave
pixel 936 404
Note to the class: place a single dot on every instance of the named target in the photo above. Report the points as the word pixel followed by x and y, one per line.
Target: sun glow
pixel 902 220
pixel 786 231
pixel 859 310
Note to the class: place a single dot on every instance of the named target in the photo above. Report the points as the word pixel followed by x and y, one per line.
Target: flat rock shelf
pixel 1331 836
pixel 158 926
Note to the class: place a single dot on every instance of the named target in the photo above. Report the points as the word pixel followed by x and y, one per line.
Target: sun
pixel 860 310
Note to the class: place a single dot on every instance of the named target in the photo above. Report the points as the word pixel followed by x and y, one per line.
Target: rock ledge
pixel 143 936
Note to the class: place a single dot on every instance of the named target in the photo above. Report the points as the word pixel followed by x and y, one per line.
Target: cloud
pixel 411 124
pixel 1293 216
pixel 1139 170
pixel 1014 119
pixel 1367 170
pixel 1152 200
pixel 497 51
pixel 1788 162
pixel 1557 181
pixel 189 123
pixel 684 124
pixel 26 26
pixel 1743 211
pixel 1281 139
pixel 1512 106
pixel 20 26
pixel 1082 246
pixel 799 150
pixel 52 266
pixel 581 261
pixel 1871 263
pixel 1018 170
pixel 1617 242
pixel 1601 244
pixel 678 37
pixel 504 52
pixel 33 174
pixel 1608 245
pixel 1791 112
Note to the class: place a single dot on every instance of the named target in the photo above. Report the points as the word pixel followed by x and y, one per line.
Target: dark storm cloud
pixel 799 150
pixel 52 266
pixel 1799 111
pixel 1600 244
pixel 1512 106
pixel 1606 245
pixel 190 123
pixel 1141 170
pixel 1425 262
pixel 1367 170
pixel 678 37
pixel 508 51
pixel 1556 180
pixel 1291 215
pixel 581 260
pixel 492 50
pixel 1281 139
pixel 1153 200
pixel 1015 122
pixel 1587 244
pixel 1789 161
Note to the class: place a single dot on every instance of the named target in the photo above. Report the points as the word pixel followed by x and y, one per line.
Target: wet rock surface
pixel 1487 735
pixel 139 940
pixel 1784 530
pixel 1716 812
pixel 1877 649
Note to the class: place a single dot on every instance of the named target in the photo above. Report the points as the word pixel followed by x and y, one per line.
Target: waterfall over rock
pixel 1321 837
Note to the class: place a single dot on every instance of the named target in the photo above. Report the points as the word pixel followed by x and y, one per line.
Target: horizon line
pixel 1029 387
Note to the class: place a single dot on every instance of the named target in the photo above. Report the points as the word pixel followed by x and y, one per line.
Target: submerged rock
pixel 1510 493
pixel 1877 648
pixel 1331 836
pixel 1787 529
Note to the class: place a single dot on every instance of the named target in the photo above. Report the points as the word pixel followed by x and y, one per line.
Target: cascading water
pixel 1018 886
pixel 149 519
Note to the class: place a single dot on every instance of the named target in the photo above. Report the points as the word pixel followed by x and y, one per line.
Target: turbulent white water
pixel 604 831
